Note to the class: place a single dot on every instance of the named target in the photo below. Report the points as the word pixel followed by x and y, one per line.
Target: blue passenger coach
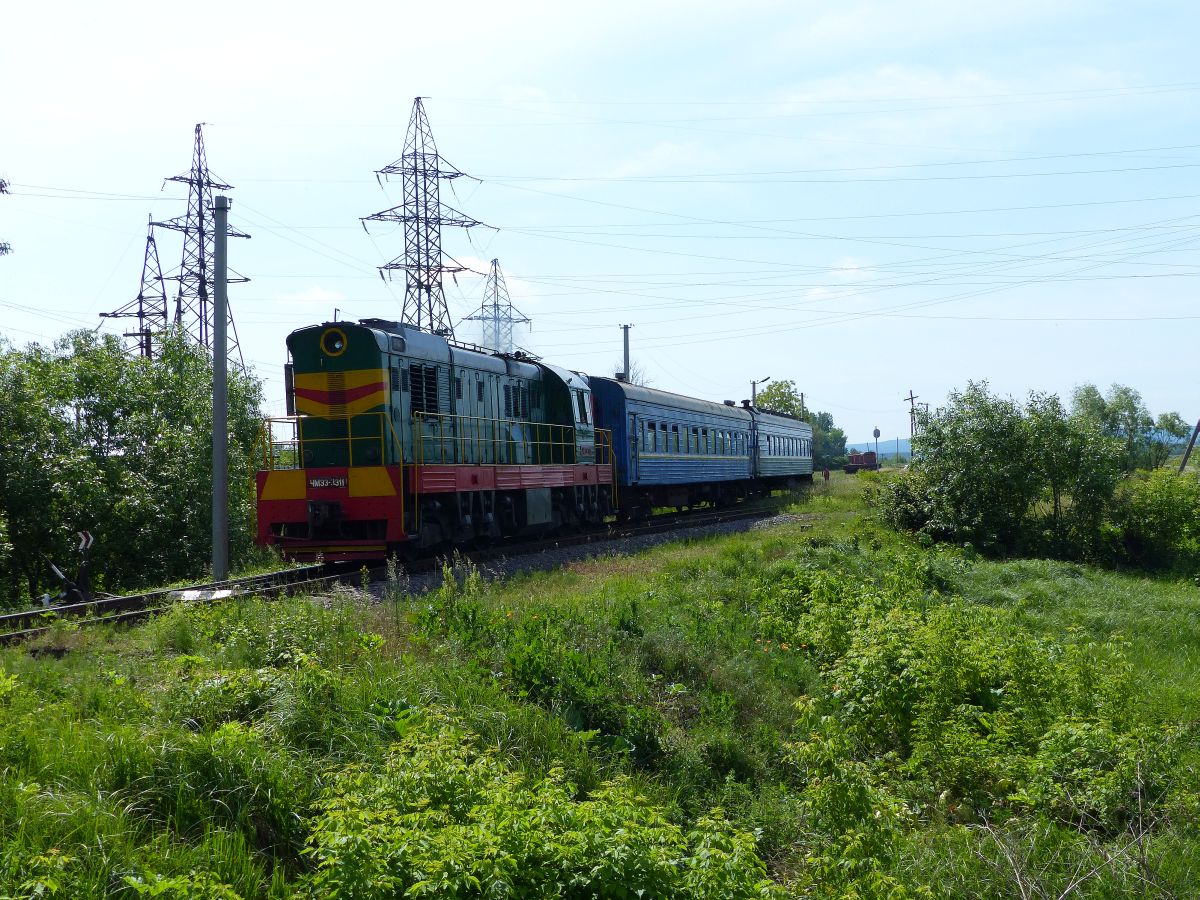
pixel 784 447
pixel 672 450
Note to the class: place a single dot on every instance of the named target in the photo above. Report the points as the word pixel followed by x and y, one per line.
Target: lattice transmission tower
pixel 423 214
pixel 149 307
pixel 193 307
pixel 497 315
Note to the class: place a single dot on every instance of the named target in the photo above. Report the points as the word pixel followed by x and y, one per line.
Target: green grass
pixel 888 719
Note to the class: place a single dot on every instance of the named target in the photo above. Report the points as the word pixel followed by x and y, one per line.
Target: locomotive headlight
pixel 333 342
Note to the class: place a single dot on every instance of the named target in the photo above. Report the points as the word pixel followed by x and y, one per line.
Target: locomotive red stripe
pixel 345 395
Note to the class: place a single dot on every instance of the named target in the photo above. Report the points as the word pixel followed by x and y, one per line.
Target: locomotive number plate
pixel 328 481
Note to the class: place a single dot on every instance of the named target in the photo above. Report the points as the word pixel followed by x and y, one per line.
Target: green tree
pixel 1120 414
pixel 974 456
pixel 1169 431
pixel 1077 468
pixel 94 439
pixel 781 396
pixel 829 442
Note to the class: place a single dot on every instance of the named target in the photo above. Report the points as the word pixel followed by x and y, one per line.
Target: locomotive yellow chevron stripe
pixel 340 393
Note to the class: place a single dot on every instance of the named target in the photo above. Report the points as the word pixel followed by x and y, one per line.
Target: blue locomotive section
pixel 660 438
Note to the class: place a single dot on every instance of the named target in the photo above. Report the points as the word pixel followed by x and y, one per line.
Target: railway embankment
pixel 814 705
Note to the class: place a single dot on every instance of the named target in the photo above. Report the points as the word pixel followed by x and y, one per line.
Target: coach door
pixel 635 444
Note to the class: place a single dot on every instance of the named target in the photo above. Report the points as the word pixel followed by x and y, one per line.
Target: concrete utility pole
pixel 754 389
pixel 220 425
pixel 625 371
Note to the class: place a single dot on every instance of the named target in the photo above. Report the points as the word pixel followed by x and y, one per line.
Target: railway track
pixel 21 626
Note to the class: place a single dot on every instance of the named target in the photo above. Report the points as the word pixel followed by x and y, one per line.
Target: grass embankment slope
pixel 822 708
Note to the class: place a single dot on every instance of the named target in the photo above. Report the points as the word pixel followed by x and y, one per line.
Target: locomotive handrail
pixel 445 439
pixel 289 452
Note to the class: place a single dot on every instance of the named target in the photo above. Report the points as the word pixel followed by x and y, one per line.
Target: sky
pixel 867 198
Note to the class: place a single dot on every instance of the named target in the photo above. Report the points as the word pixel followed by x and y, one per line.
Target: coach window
pixel 651 437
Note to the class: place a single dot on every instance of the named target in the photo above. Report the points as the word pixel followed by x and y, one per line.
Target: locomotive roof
pixel 422 344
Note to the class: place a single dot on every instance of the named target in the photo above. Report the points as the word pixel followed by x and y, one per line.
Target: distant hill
pixel 887 447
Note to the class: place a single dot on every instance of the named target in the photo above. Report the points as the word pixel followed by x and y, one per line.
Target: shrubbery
pixel 442 818
pixel 1034 479
pixel 934 709
pixel 1155 520
pixel 842 710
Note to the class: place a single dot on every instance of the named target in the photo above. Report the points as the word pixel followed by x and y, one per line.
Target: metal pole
pixel 754 390
pixel 1187 454
pixel 220 436
pixel 625 372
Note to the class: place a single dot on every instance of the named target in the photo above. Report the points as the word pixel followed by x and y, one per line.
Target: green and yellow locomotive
pixel 399 438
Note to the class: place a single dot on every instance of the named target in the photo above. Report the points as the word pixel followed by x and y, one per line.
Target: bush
pixel 443 818
pixel 956 703
pixel 1156 521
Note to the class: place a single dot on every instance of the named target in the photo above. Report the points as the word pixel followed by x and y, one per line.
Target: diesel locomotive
pixel 397 439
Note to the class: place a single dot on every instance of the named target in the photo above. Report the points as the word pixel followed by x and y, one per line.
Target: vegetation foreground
pixel 822 708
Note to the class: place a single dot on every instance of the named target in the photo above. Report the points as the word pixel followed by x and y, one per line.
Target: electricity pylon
pixel 193 306
pixel 497 315
pixel 149 307
pixel 423 214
